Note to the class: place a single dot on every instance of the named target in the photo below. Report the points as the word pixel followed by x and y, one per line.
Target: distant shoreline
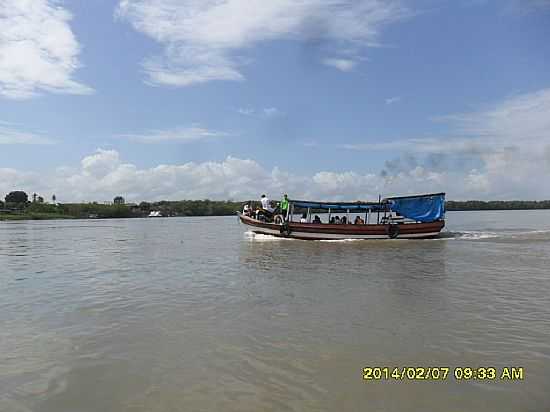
pixel 454 205
pixel 46 211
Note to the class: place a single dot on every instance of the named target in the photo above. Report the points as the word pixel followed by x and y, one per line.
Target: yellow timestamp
pixel 441 373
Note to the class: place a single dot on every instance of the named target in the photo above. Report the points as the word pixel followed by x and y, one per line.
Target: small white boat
pixel 155 213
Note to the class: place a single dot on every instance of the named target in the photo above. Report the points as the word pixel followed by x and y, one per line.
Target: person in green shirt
pixel 284 205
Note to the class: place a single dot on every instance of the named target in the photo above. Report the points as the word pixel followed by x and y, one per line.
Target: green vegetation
pixel 24 210
pixel 32 216
pixel 167 208
pixel 96 210
pixel 497 205
pixel 18 207
pixel 197 207
pixel 17 197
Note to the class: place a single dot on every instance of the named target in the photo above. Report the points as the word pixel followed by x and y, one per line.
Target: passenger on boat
pixel 337 220
pixel 266 203
pixel 332 220
pixel 317 219
pixel 284 205
pixel 344 220
pixel 247 210
pixel 359 221
pixel 303 219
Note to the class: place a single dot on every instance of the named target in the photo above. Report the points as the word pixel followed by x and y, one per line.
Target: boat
pixel 400 217
pixel 155 213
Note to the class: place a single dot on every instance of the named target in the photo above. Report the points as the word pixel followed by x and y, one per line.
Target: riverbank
pixel 44 211
pixel 454 205
pixel 33 216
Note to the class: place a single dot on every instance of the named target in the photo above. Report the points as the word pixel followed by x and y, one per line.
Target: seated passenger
pixel 359 221
pixel 303 219
pixel 337 220
pixel 344 220
pixel 317 219
pixel 332 220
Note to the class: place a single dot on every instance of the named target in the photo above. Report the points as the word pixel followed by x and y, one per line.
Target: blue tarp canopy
pixel 342 206
pixel 425 208
pixel 422 208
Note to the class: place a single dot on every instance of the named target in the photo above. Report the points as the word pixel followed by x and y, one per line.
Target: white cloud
pixel 246 111
pixel 203 40
pixel 310 143
pixel 38 50
pixel 181 135
pixel 100 164
pixel 265 112
pixel 392 100
pixel 345 65
pixel 12 179
pixel 524 117
pixel 271 111
pixel 103 175
pixel 442 145
pixel 522 120
pixel 477 182
pixel 11 135
pixel 527 6
pixel 509 139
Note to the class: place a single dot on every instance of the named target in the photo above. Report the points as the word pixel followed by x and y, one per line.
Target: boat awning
pixel 343 206
pixel 422 208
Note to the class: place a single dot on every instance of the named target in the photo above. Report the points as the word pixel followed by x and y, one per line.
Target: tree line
pixel 497 204
pixel 166 208
pixel 18 205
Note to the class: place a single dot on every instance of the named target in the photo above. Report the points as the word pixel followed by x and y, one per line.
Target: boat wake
pixel 468 235
pixel 259 237
pixel 501 235
pixel 474 235
pixel 342 240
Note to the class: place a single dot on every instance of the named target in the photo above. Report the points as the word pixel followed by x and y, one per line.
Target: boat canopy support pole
pixel 378 210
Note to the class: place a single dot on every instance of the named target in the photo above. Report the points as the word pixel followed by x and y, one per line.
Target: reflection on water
pixel 193 314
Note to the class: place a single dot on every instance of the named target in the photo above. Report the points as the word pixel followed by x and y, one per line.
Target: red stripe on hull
pixel 405 229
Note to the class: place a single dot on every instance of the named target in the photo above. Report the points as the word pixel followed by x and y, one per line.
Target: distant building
pixel 119 200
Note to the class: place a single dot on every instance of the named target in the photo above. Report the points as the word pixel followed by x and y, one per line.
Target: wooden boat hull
pixel 325 231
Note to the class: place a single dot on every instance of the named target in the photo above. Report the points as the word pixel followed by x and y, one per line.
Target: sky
pixel 229 99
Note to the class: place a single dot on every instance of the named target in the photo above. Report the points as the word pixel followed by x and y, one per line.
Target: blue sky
pixel 331 99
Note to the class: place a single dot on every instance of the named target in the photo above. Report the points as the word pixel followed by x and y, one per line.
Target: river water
pixel 194 314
